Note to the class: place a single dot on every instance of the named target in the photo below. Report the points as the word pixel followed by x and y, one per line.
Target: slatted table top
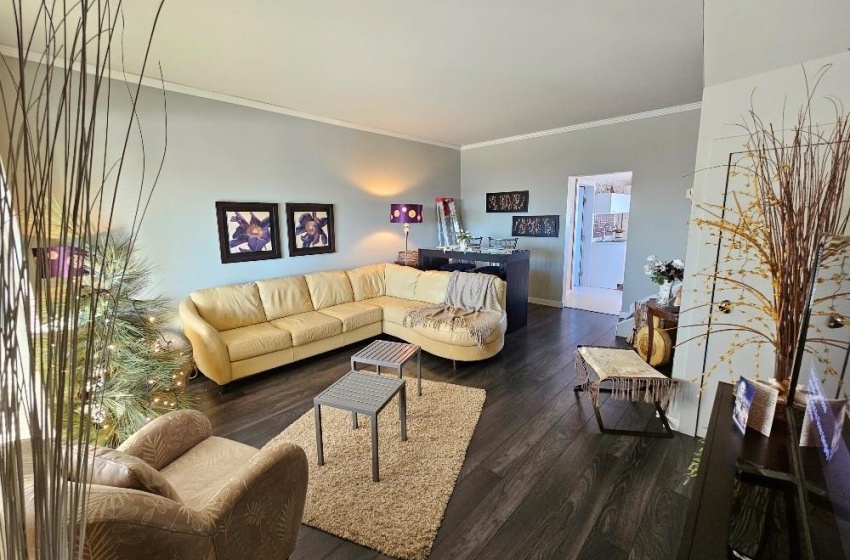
pixel 386 353
pixel 360 392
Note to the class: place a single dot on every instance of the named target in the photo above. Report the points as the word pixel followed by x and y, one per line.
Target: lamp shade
pixel 406 213
pixel 59 262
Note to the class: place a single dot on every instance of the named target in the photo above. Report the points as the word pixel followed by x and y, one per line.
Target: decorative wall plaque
pixel 535 226
pixel 515 201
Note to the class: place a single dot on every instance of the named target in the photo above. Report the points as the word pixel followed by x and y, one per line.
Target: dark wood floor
pixel 539 480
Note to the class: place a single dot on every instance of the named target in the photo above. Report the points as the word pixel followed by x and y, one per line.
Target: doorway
pixel 595 259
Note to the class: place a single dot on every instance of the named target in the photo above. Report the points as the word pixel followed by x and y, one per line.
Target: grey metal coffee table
pixel 361 393
pixel 383 353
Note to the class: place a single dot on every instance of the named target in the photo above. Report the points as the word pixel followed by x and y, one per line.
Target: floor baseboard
pixel 546 302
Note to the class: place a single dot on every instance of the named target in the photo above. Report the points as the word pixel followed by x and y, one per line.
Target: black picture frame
pixel 511 201
pixel 536 226
pixel 310 228
pixel 238 226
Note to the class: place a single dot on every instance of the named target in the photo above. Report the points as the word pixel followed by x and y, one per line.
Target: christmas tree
pixel 137 375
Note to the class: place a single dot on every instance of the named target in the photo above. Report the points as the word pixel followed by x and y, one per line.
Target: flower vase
pixel 664 291
pixel 463 246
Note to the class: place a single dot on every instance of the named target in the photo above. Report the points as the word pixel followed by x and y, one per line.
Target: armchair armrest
pixel 118 520
pixel 166 438
pixel 267 496
pixel 208 348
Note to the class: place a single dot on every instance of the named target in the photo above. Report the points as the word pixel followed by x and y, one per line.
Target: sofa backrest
pixel 329 288
pixel 229 307
pixel 431 286
pixel 401 281
pixel 367 281
pixel 284 296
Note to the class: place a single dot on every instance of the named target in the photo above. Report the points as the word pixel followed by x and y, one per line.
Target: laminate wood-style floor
pixel 539 480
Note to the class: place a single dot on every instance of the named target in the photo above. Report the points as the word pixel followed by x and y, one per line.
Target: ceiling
pixel 454 72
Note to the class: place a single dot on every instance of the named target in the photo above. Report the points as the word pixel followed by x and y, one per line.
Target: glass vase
pixel 664 292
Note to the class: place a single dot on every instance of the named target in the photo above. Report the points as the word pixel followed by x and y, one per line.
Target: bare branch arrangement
pixel 771 229
pixel 61 143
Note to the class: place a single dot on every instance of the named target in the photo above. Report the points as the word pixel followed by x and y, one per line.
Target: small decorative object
pixel 755 406
pixel 824 420
pixel 464 238
pixel 664 273
pixel 514 201
pixel 310 228
pixel 406 214
pixel 535 226
pixel 248 231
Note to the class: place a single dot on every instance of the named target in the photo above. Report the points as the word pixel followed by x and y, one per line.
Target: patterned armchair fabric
pixel 248 505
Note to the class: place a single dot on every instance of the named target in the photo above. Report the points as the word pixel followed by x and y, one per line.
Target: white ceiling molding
pixel 12 52
pixel 583 126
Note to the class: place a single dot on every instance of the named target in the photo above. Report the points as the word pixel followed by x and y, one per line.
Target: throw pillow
pixel 110 467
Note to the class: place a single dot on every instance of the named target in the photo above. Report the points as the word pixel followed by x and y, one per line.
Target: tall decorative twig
pixel 59 144
pixel 771 229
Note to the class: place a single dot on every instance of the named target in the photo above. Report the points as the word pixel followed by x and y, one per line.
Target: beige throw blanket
pixel 471 303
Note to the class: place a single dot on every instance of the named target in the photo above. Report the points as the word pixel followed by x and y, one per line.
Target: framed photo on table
pixel 248 231
pixel 310 228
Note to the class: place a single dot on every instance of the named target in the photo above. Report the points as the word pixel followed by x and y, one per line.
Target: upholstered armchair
pixel 232 500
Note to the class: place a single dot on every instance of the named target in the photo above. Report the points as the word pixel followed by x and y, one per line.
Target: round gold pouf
pixel 662 346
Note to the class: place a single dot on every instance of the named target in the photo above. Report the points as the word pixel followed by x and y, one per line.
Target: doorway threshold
pixel 598 300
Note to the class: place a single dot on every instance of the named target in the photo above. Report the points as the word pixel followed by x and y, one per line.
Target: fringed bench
pixel 629 376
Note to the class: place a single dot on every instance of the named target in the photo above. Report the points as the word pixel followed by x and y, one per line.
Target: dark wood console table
pixel 516 266
pixel 817 517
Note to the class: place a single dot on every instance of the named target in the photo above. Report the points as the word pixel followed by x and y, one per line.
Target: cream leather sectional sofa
pixel 239 330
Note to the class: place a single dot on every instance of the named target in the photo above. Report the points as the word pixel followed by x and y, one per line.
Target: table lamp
pixel 406 214
pixel 59 262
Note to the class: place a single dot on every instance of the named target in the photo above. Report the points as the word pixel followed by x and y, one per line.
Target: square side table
pixel 383 353
pixel 361 393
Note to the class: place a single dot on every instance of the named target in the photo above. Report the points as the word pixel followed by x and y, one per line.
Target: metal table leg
pixel 402 411
pixel 375 477
pixel 320 452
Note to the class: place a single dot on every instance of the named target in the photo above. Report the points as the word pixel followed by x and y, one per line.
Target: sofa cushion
pixel 256 340
pixel 431 286
pixel 229 307
pixel 309 327
pixel 284 296
pixel 355 315
pixel 203 470
pixel 367 281
pixel 401 281
pixel 329 288
pixel 110 467
pixel 394 308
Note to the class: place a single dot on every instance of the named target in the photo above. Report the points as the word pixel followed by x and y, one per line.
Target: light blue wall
pixel 660 151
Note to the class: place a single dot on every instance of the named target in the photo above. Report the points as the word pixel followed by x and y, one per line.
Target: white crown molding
pixel 12 52
pixel 585 126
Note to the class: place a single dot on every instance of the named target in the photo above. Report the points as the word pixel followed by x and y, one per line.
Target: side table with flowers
pixel 668 275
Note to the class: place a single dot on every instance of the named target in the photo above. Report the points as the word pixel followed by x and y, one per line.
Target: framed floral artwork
pixel 310 228
pixel 248 231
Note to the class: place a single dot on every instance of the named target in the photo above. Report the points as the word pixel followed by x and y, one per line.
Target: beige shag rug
pixel 398 516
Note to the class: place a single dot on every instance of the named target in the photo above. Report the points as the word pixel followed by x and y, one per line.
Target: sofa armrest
pixel 208 348
pixel 164 439
pixel 267 498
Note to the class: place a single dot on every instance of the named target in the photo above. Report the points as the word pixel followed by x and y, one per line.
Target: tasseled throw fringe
pixel 661 389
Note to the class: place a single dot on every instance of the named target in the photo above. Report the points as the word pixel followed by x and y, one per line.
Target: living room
pixel 354 109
